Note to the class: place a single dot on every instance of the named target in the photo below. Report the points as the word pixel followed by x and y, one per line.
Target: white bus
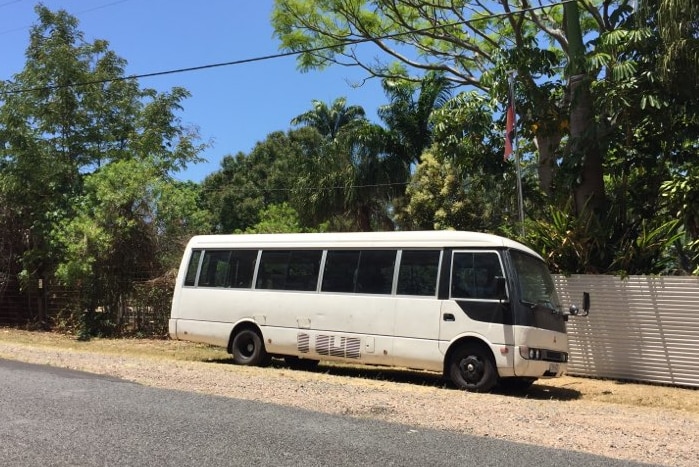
pixel 479 308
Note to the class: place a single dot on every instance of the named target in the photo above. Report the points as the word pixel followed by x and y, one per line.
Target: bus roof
pixel 401 239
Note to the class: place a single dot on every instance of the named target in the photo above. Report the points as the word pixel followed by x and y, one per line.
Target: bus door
pixel 473 306
pixel 416 330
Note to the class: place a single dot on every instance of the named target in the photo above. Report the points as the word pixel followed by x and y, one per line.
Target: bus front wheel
pixel 248 349
pixel 471 368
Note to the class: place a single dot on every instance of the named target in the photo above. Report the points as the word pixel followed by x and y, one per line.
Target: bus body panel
pixel 214 333
pixel 331 321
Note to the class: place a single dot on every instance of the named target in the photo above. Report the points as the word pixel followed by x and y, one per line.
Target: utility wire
pixel 98 7
pixel 274 56
pixel 9 3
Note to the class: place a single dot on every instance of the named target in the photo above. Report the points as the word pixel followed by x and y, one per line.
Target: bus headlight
pixel 529 353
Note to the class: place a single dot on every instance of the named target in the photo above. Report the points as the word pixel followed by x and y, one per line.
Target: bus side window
pixel 289 270
pixel 303 270
pixel 273 266
pixel 340 271
pixel 242 268
pixel 474 275
pixel 215 269
pixel 192 268
pixel 375 272
pixel 418 272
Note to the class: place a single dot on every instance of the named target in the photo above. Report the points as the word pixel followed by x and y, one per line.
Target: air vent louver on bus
pixel 302 342
pixel 337 346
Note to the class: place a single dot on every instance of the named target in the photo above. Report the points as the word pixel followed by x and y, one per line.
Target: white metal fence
pixel 641 328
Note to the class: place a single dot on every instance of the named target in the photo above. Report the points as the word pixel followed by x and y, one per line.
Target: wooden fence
pixel 641 328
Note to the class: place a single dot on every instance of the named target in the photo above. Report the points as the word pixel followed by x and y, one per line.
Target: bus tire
pixel 471 368
pixel 248 349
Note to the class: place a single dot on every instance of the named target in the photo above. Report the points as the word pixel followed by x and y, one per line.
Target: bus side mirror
pixel 575 311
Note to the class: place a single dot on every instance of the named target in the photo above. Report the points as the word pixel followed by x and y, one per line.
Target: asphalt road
pixel 57 417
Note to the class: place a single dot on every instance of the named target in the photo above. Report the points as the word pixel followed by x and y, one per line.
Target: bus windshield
pixel 535 282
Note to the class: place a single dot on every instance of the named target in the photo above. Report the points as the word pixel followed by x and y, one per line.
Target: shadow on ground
pixel 538 391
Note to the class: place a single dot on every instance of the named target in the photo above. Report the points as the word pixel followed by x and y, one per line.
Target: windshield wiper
pixel 542 302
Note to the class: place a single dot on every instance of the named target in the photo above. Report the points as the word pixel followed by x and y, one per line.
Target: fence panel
pixel 642 328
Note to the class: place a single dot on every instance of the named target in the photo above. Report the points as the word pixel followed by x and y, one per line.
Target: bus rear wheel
pixel 471 368
pixel 248 349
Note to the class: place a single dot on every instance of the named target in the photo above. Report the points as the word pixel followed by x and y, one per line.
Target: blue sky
pixel 234 106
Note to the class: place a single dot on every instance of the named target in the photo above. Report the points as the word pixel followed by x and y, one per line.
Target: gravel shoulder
pixel 645 434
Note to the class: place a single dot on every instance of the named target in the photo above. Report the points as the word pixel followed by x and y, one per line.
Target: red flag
pixel 510 124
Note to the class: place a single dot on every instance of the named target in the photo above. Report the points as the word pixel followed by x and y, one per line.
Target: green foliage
pixel 330 119
pixel 649 251
pixel 280 218
pixel 86 172
pixel 569 244
pixel 279 169
pixel 351 179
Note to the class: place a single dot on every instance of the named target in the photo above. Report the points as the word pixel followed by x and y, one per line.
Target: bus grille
pixel 346 347
pixel 303 343
pixel 553 356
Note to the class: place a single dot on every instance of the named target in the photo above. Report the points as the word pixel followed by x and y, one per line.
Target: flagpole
pixel 515 149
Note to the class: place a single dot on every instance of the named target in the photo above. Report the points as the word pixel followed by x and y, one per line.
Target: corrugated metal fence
pixel 641 328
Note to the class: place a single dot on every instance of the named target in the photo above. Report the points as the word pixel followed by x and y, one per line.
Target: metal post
pixel 515 149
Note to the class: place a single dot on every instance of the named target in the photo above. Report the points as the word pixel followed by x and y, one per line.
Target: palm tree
pixel 330 120
pixel 677 22
pixel 407 116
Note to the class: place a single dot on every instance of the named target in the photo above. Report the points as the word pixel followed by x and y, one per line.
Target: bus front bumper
pixel 539 363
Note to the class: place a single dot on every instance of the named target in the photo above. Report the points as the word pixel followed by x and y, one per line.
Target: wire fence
pixel 641 328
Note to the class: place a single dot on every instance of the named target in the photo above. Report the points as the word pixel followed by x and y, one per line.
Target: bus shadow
pixel 537 391
pixel 540 391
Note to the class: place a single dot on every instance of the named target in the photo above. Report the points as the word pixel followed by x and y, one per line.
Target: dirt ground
pixel 644 423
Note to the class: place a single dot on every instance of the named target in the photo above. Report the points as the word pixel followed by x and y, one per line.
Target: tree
pixel 64 120
pixel 269 175
pixel 472 45
pixel 354 176
pixel 329 120
pixel 677 22
pixel 408 113
pixel 280 218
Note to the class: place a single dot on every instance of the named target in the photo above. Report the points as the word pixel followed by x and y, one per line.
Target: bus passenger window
pixel 242 268
pixel 418 272
pixel 192 268
pixel 474 275
pixel 215 269
pixel 365 271
pixel 375 272
pixel 340 271
pixel 304 268
pixel 289 270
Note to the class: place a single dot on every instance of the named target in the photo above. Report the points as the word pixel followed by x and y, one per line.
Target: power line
pixel 24 28
pixel 259 189
pixel 9 3
pixel 270 57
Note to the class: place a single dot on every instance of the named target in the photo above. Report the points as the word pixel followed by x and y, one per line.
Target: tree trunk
pixel 584 147
pixel 547 144
pixel 588 192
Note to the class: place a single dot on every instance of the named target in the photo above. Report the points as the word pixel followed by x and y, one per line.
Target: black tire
pixel 301 363
pixel 516 384
pixel 248 349
pixel 471 368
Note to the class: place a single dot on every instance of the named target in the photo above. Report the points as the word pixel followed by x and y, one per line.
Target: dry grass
pixel 566 388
